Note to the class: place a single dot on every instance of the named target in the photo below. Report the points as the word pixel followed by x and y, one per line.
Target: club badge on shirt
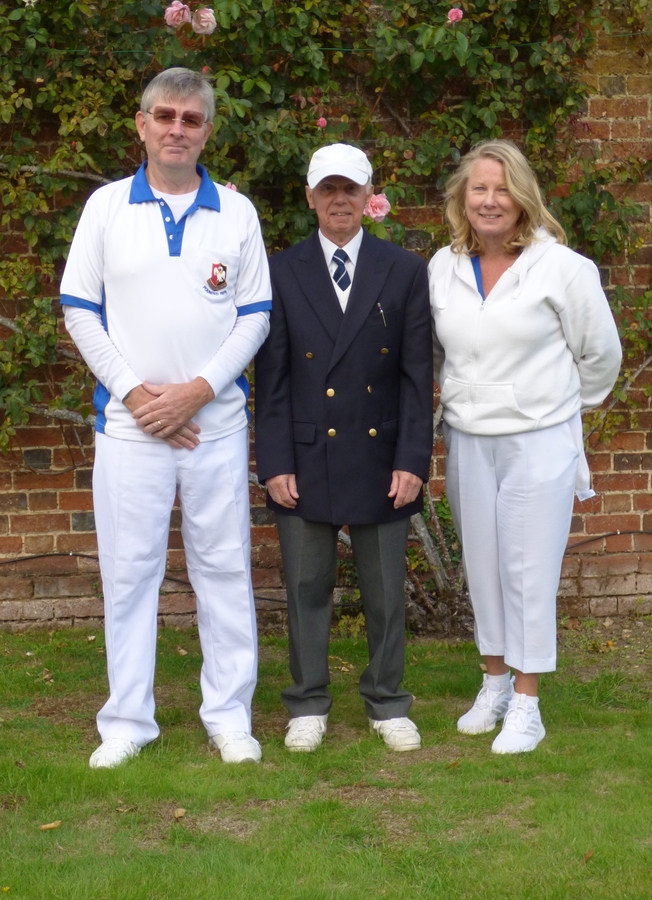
pixel 217 281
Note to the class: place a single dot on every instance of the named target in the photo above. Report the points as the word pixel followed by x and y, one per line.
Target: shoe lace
pixel 306 725
pixel 517 715
pixel 116 743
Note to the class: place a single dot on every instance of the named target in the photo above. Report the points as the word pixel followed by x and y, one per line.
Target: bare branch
pixel 626 386
pixel 10 324
pixel 67 415
pixel 430 552
pixel 68 173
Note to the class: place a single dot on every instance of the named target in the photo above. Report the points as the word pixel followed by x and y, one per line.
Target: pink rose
pixel 377 207
pixel 455 14
pixel 203 21
pixel 322 122
pixel 176 14
pixel 231 186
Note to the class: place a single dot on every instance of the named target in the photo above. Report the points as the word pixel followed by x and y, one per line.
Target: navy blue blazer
pixel 342 399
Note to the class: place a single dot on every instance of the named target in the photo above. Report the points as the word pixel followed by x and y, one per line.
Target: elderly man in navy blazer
pixel 344 437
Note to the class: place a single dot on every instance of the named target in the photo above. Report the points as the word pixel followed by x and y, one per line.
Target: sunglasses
pixel 166 117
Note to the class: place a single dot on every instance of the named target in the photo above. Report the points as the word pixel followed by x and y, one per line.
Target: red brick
pixel 175 541
pixel 262 578
pixel 599 462
pixel 39 543
pixel 76 500
pixel 618 543
pixel 568 588
pixel 77 542
pixel 634 606
pixel 10 501
pixel 620 482
pixel 620 129
pixel 627 440
pixel 37 524
pixel 605 524
pixel 617 503
pixel 643 541
pixel 10 545
pixel 78 607
pixel 570 567
pixel 597 129
pixel 619 108
pixel 40 500
pixel 268 556
pixel 627 462
pixel 612 564
pixel 70 456
pixel 16 587
pixel 64 586
pixel 264 534
pixel 176 560
pixel 48 565
pixel 28 481
pixel 38 437
pixel 643 501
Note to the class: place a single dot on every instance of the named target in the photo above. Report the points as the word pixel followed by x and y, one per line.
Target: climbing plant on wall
pixel 415 83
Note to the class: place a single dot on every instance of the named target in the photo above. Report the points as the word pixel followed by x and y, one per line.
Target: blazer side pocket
pixel 303 432
pixel 390 431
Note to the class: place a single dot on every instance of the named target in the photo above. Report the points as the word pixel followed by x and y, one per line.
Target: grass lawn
pixel 351 821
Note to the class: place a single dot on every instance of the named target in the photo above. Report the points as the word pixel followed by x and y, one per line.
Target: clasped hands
pixel 166 410
pixel 404 489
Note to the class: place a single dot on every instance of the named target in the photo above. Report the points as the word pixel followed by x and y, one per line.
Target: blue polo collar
pixel 207 195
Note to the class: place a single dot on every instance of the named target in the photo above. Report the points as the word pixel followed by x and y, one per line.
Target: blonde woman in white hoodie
pixel 524 340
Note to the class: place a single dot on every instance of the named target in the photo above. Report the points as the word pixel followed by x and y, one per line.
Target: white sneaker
pixel 399 734
pixel 305 733
pixel 522 729
pixel 489 707
pixel 113 752
pixel 236 747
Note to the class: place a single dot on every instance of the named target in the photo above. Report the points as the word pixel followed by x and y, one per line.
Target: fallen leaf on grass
pixel 607 623
pixel 19 763
pixel 182 652
pixel 5 890
pixel 453 765
pixel 124 809
pixel 179 813
pixel 90 638
pixel 572 625
pixel 50 826
pixel 588 856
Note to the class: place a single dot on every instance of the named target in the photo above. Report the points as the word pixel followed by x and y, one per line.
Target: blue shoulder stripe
pixel 261 306
pixel 80 303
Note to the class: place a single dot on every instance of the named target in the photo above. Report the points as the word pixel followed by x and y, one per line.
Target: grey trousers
pixel 309 551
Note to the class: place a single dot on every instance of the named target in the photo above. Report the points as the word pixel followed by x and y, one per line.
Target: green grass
pixel 349 822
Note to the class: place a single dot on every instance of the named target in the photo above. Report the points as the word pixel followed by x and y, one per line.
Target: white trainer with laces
pixel 113 752
pixel 489 707
pixel 236 747
pixel 305 733
pixel 399 734
pixel 522 729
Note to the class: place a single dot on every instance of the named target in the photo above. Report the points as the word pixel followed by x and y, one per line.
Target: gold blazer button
pixel 372 432
pixel 331 432
pixel 309 355
pixel 330 392
pixel 384 351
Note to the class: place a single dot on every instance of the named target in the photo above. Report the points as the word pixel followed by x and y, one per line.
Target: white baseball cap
pixel 339 159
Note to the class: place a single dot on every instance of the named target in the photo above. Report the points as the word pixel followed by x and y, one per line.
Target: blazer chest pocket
pixel 303 432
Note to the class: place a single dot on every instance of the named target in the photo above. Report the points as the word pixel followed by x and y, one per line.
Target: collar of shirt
pixel 207 195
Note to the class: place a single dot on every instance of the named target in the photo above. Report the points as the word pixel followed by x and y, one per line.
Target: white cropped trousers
pixel 511 498
pixel 134 486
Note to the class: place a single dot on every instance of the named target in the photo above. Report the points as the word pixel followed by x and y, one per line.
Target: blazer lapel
pixel 370 274
pixel 314 279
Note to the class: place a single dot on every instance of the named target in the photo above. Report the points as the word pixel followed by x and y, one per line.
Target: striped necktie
pixel 340 275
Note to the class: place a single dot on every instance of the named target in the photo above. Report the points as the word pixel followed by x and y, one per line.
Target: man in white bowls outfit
pixel 166 294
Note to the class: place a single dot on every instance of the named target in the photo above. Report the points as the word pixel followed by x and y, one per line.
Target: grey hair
pixel 179 84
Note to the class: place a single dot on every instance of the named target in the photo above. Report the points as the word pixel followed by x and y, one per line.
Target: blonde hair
pixel 523 188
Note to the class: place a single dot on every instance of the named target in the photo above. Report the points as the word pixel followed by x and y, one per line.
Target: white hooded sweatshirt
pixel 542 346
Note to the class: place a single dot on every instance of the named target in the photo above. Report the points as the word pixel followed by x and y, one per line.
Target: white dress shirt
pixel 351 249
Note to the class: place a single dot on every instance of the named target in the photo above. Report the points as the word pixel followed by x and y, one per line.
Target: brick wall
pixel 45 483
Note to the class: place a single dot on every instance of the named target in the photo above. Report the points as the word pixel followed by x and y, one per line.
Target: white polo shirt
pixel 168 292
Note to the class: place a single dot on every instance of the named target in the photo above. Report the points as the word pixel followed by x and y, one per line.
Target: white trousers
pixel 134 486
pixel 511 498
